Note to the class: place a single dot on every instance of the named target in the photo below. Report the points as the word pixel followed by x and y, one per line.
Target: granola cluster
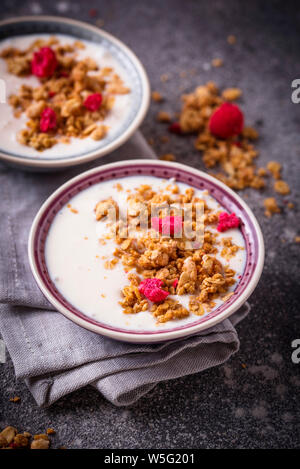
pixel 224 143
pixel 73 98
pixel 235 155
pixel 162 266
pixel 11 439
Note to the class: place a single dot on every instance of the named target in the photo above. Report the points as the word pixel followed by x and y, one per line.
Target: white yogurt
pixel 10 125
pixel 73 243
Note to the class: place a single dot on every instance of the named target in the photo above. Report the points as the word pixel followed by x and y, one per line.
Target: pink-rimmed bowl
pixel 254 246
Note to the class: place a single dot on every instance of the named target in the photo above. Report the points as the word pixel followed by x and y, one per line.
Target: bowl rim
pixel 34 162
pixel 146 337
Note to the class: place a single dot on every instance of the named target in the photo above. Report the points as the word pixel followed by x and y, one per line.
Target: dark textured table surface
pixel 229 406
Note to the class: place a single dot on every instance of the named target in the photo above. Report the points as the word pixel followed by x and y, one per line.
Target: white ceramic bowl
pixel 137 81
pixel 250 229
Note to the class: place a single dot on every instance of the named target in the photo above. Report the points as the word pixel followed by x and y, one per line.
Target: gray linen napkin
pixel 55 356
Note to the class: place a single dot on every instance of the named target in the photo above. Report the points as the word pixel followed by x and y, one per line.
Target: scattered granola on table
pixel 11 439
pixel 235 152
pixel 224 140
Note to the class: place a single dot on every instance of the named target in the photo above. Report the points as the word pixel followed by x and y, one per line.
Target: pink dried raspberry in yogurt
pixel 93 102
pixel 168 226
pixel 44 63
pixel 227 221
pixel 47 120
pixel 151 289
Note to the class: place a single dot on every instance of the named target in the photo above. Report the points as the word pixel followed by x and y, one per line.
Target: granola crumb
pixel 217 62
pixel 168 157
pixel 164 116
pixel 50 431
pixel 99 132
pixel 231 39
pixel 274 168
pixel 164 77
pixel 281 187
pixel 157 97
pixel 100 22
pixel 8 434
pixel 271 207
pixel 226 297
pixel 231 94
pixel 15 399
pixel 20 441
pixel 262 172
pixel 107 207
pixel 109 265
pixel 229 249
pixel 40 444
pixel 118 186
pixel 41 436
pixel 297 239
pixel 164 139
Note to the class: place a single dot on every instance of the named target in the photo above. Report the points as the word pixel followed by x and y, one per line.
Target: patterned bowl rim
pixel 230 200
pixel 34 162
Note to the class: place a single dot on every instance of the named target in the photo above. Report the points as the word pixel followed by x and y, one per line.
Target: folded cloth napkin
pixel 55 356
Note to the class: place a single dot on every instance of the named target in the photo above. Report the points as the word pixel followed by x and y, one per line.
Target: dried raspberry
pixel 168 226
pixel 47 120
pixel 93 102
pixel 44 62
pixel 93 12
pixel 227 221
pixel 175 283
pixel 227 121
pixel 64 74
pixel 51 94
pixel 175 128
pixel 151 289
